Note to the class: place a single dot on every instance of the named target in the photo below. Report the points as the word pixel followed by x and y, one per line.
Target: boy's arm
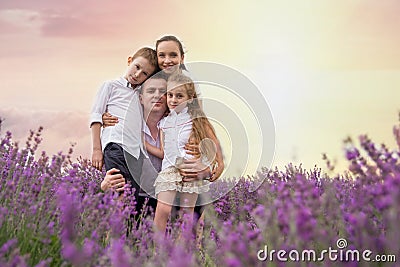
pixel 158 152
pixel 98 108
pixel 97 153
pixel 100 103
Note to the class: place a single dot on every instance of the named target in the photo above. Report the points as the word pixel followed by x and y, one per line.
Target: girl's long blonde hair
pixel 201 127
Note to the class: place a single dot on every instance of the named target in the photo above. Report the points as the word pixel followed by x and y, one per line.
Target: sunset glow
pixel 328 69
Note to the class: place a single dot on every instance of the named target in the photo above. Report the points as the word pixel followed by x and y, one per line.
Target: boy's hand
pixel 97 159
pixel 109 120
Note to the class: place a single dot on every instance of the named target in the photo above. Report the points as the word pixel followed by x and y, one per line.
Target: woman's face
pixel 168 55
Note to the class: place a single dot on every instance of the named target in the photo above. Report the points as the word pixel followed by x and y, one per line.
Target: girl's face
pixel 177 97
pixel 169 55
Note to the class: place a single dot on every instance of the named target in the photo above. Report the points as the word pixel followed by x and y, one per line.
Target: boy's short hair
pixel 149 54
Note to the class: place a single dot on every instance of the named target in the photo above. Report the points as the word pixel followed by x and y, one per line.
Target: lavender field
pixel 52 213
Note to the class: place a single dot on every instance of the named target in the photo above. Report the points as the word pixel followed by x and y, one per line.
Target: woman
pixel 170 55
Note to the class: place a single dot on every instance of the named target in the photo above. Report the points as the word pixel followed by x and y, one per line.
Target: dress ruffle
pixel 170 179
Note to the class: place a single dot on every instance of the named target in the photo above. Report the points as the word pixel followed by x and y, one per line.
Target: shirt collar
pixel 125 83
pixel 146 129
pixel 183 111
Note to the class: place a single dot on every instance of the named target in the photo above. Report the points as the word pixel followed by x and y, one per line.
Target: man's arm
pixel 113 180
pixel 194 169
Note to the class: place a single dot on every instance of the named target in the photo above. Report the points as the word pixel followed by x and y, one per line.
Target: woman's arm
pixel 219 160
pixel 195 169
pixel 108 119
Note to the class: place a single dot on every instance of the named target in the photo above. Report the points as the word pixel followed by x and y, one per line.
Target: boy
pixel 122 143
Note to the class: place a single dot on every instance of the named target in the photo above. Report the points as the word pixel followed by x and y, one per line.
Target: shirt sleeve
pixel 161 123
pixel 100 103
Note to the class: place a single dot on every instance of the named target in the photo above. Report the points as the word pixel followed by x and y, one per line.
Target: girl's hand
pixel 113 180
pixel 109 120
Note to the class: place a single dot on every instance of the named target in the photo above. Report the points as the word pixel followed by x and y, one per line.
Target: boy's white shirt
pixel 122 102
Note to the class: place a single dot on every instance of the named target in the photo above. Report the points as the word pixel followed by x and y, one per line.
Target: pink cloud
pixel 60 129
pixel 61 26
pixel 7 27
pixel 370 35
pixel 378 20
pixel 89 18
pixel 37 4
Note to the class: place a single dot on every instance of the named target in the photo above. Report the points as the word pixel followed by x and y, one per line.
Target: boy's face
pixel 139 69
pixel 153 96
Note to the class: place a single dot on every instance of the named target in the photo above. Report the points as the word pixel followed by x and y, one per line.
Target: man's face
pixel 153 97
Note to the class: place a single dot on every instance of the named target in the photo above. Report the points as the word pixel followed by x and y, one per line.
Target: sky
pixel 326 69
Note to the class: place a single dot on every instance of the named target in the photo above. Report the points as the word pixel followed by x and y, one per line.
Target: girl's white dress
pixel 177 128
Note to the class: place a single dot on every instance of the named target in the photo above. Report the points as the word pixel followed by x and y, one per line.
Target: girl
pixel 185 121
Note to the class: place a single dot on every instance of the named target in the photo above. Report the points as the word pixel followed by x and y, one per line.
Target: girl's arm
pixel 155 151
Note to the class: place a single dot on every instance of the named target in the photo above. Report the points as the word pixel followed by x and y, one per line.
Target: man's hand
pixel 113 180
pixel 194 170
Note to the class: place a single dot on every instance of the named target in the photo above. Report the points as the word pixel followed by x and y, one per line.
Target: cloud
pixel 18 20
pixel 60 129
pixel 84 19
pixel 56 25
